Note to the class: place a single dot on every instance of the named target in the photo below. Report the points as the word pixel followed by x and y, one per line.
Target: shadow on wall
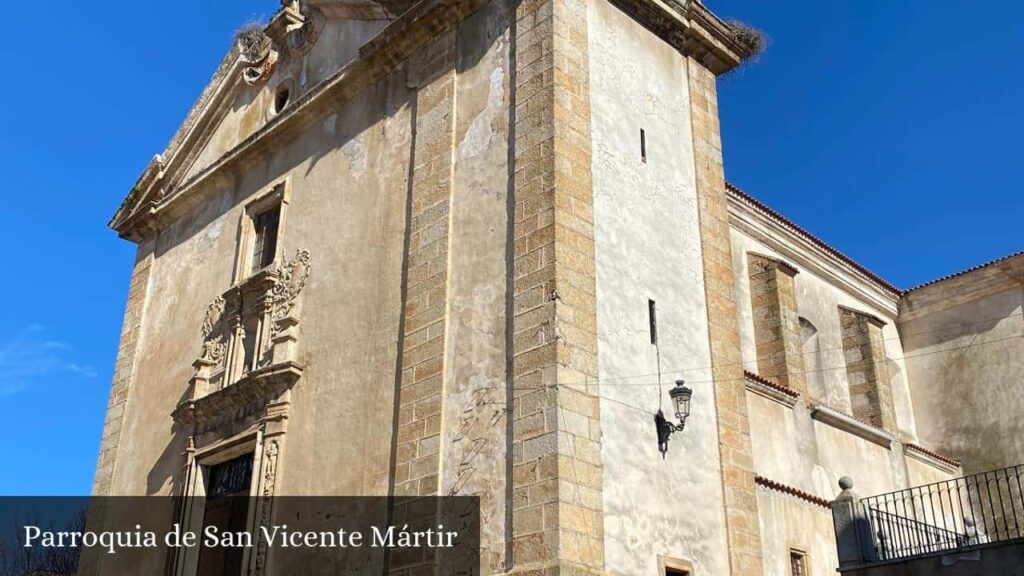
pixel 963 363
pixel 386 98
pixel 812 358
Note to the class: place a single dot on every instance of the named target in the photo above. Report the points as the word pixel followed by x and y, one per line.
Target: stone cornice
pixel 771 390
pixel 748 217
pixel 155 199
pixel 692 29
pixel 145 193
pixel 944 463
pixel 781 264
pixel 848 423
pixel 255 389
pixel 879 322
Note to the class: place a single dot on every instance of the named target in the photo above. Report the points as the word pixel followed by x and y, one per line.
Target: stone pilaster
pixel 557 517
pixel 417 462
pixel 866 369
pixel 776 321
pixel 739 490
pixel 121 387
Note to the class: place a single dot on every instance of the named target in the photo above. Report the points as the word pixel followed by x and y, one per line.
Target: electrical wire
pixel 660 372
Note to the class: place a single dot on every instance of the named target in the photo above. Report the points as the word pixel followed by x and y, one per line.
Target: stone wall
pixel 777 338
pixel 808 439
pixel 121 388
pixel 420 396
pixel 737 462
pixel 867 368
pixel 557 509
pixel 821 288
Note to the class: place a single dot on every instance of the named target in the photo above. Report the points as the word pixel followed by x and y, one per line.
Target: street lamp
pixel 680 396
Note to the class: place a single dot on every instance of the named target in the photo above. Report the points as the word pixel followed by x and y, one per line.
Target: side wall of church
pixel 963 341
pixel 648 248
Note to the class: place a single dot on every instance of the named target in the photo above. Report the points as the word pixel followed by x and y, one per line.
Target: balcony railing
pixel 945 516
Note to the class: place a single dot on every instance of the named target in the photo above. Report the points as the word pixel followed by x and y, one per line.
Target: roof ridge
pixel 967 271
pixel 814 239
pixel 746 196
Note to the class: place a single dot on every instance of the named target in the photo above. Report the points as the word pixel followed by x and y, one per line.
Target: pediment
pixel 265 69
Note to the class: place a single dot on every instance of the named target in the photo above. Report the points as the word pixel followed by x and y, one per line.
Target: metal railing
pixel 948 515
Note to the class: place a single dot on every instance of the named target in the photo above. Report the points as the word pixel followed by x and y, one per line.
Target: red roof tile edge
pixel 967 271
pixel 818 241
pixel 935 455
pixel 780 487
pixel 858 266
pixel 773 385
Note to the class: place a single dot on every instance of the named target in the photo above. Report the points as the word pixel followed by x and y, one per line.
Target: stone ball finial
pixel 846 483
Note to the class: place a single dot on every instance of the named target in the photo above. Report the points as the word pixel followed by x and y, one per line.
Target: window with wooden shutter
pixel 266 225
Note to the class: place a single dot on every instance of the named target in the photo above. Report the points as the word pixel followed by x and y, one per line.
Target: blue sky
pixel 888 128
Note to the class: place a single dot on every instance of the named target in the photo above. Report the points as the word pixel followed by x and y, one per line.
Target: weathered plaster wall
pixel 963 339
pixel 843 454
pixel 346 177
pixel 795 448
pixel 349 178
pixel 250 107
pixel 647 246
pixel 789 523
pixel 818 301
pixel 921 473
pixel 475 363
pixel 776 433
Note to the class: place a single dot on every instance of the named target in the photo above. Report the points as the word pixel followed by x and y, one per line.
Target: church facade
pixel 468 247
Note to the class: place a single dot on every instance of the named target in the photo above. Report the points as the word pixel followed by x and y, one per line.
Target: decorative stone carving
pixel 257 53
pixel 271 451
pixel 300 40
pixel 214 342
pixel 292 278
pixel 296 28
pixel 249 355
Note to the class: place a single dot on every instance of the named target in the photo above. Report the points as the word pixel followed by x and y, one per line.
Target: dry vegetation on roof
pixel 755 39
pixel 250 38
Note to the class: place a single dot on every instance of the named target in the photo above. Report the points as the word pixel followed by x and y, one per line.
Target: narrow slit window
pixel 266 225
pixel 643 146
pixel 652 318
pixel 797 563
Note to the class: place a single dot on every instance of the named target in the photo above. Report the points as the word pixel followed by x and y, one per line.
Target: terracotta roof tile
pixel 771 384
pixel 821 243
pixel 935 455
pixel 962 272
pixel 785 489
pixel 863 269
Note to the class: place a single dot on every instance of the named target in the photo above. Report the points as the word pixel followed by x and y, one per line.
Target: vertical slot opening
pixel 643 146
pixel 652 318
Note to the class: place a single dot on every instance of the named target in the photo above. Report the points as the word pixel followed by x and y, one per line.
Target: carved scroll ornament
pixel 292 278
pixel 257 53
pixel 214 341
